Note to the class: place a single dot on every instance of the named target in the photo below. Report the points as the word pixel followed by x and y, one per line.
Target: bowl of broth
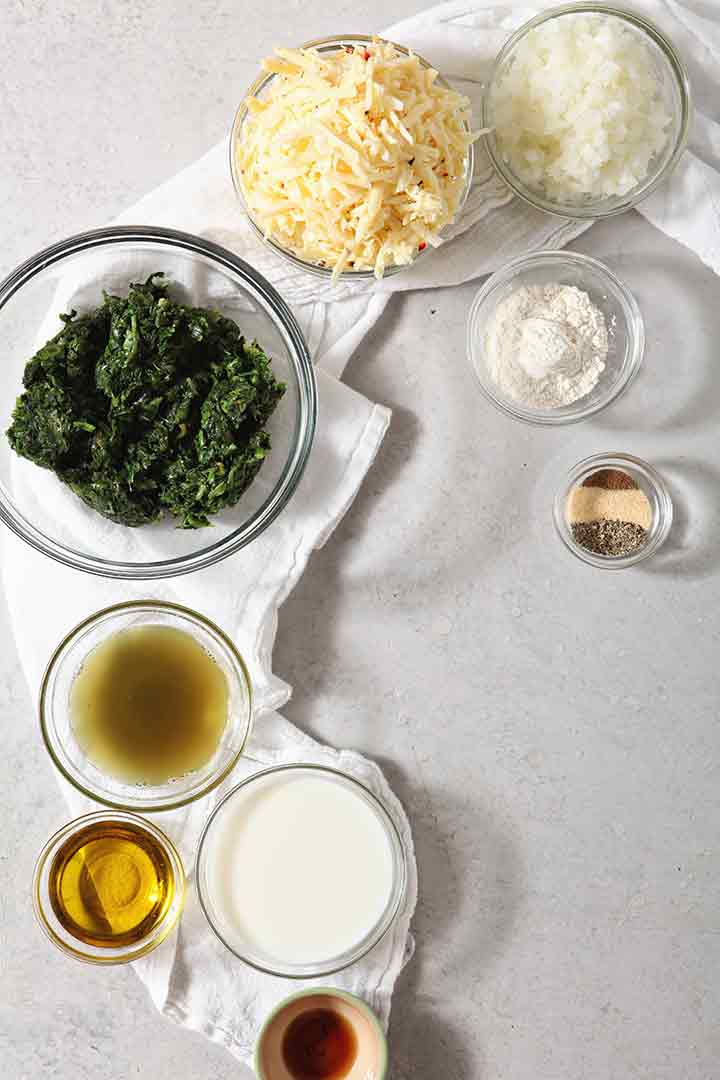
pixel 145 706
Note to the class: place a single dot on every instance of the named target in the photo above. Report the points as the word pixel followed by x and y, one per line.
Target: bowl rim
pixel 590 213
pixel 400 865
pixel 328 44
pixel 323 991
pixel 53 665
pixel 143 947
pixel 275 307
pixel 560 256
pixel 613 459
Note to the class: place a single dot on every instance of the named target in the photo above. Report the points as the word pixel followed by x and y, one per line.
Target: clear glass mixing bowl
pixel 56 719
pixel 72 274
pixel 626 330
pixel 260 89
pixel 61 936
pixel 257 958
pixel 648 481
pixel 674 88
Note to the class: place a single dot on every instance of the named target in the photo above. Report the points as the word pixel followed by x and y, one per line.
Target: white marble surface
pixel 552 729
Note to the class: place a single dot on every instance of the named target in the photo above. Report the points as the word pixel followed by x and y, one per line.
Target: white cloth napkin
pixel 191 978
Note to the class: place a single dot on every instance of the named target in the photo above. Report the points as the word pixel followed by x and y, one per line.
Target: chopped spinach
pixel 146 406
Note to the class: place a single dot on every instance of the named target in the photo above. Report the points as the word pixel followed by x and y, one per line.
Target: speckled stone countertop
pixel 551 729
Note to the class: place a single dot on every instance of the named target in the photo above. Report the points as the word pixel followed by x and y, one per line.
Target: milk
pixel 298 869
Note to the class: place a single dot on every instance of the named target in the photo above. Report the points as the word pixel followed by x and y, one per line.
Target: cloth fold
pixel 190 977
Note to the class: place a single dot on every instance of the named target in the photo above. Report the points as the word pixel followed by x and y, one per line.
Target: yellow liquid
pixel 111 884
pixel 149 704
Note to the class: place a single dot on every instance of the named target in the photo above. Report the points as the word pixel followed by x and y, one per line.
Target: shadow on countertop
pixel 424 1043
pixel 676 388
pixel 691 551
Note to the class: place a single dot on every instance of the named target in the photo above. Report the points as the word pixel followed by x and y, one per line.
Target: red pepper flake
pixel 366 55
pixel 422 245
pixel 349 49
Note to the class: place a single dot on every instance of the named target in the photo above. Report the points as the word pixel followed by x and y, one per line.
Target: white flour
pixel 546 345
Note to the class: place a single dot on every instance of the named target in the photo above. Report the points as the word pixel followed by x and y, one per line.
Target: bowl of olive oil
pixel 108 887
pixel 145 706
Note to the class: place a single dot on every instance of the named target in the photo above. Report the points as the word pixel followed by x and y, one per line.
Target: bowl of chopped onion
pixel 351 156
pixel 587 110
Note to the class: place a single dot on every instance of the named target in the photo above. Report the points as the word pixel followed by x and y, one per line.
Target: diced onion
pixel 578 111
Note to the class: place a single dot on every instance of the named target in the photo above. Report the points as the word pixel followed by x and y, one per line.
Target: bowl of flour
pixel 554 337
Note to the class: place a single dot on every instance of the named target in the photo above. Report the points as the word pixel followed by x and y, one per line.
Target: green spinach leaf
pixel 146 406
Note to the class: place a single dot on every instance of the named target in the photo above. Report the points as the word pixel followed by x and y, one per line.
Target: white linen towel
pixel 191 978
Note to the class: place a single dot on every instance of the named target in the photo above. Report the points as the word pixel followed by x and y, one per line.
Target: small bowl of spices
pixel 108 888
pixel 145 706
pixel 613 511
pixel 554 337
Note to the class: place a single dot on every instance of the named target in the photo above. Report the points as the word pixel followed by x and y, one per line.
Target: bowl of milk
pixel 301 870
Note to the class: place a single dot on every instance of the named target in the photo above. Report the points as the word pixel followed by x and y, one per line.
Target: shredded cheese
pixel 354 160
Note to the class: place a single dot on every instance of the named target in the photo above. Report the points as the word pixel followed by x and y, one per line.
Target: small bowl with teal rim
pixel 321 1032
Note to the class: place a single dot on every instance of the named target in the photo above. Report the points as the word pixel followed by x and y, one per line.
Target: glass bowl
pixel 257 959
pixel 674 88
pixel 74 946
pixel 260 89
pixel 72 274
pixel 626 332
pixel 55 719
pixel 647 479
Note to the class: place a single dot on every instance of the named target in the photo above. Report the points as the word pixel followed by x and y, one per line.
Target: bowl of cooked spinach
pixel 158 402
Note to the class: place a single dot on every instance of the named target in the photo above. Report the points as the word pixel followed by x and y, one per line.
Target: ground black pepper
pixel 616 538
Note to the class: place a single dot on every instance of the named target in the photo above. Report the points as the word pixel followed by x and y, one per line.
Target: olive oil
pixel 111 883
pixel 149 704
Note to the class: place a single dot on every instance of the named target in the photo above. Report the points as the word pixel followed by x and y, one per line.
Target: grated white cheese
pixel 578 111
pixel 355 159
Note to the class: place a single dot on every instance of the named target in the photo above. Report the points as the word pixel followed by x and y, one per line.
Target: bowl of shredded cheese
pixel 587 110
pixel 351 156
